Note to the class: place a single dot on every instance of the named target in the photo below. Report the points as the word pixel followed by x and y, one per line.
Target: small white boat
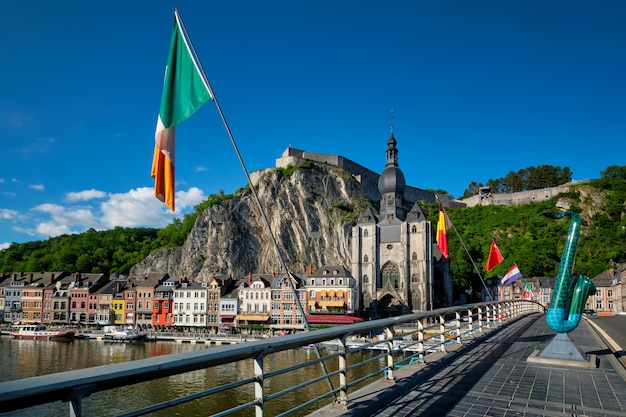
pixel 116 334
pixel 332 345
pixel 40 332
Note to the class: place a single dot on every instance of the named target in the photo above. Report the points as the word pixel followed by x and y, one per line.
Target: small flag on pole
pixel 527 294
pixel 184 91
pixel 442 236
pixel 495 257
pixel 512 275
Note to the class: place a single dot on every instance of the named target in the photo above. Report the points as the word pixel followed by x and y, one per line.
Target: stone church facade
pixel 397 267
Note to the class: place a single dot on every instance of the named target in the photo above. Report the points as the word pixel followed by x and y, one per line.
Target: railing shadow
pixel 419 383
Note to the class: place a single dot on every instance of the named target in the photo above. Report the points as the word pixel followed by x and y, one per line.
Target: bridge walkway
pixel 490 376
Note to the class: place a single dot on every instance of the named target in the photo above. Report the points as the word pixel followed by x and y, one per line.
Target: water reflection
pixel 25 358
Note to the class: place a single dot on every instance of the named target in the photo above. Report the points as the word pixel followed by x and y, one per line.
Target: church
pixel 395 262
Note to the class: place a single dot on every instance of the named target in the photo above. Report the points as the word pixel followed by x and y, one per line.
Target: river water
pixel 27 358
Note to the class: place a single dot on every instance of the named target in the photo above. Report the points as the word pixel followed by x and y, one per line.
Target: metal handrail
pixel 457 322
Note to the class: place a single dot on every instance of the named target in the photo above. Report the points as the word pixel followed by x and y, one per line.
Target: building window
pixel 365 233
pixel 366 279
pixel 366 259
pixel 414 256
pixel 389 273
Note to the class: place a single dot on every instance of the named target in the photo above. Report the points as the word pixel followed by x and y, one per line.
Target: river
pixel 27 358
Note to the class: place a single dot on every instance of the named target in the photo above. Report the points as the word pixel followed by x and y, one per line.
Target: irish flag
pixel 184 91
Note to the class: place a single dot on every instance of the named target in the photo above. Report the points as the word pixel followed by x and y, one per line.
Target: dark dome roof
pixel 391 181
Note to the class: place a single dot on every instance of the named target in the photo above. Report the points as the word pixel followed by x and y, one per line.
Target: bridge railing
pixel 396 342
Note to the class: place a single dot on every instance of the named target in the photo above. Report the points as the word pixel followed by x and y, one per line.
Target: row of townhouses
pixel 274 302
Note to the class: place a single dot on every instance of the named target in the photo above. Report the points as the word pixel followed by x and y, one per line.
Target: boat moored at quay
pixel 40 332
pixel 117 334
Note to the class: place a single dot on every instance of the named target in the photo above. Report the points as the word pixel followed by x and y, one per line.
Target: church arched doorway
pixel 389 306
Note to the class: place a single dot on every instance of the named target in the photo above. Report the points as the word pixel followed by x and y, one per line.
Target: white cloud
pixel 189 198
pixel 52 229
pixel 39 187
pixel 85 195
pixel 201 168
pixel 1 180
pixel 136 208
pixel 6 214
pixel 4 245
pixel 65 219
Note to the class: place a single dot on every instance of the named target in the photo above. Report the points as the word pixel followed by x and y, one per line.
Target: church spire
pixel 391 185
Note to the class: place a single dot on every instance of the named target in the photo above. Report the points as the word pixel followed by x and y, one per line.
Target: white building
pixel 190 304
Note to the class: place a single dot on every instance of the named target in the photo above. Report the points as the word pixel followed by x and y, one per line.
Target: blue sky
pixel 478 89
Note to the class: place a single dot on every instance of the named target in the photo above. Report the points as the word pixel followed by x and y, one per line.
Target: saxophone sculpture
pixel 569 295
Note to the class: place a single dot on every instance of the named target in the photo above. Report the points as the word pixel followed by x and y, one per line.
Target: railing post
pixel 389 339
pixel 442 333
pixel 457 319
pixel 75 399
pixel 420 340
pixel 342 400
pixel 258 385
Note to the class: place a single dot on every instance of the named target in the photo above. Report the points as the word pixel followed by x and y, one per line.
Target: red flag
pixel 495 257
pixel 442 236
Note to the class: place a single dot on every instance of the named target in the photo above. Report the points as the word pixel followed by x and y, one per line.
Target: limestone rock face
pixel 310 214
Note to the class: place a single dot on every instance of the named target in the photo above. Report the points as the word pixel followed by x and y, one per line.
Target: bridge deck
pixel 490 376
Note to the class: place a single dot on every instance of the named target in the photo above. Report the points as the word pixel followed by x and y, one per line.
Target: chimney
pixel 77 277
pixel 29 280
pixel 51 278
pixel 14 277
pixel 249 277
pixel 309 270
pixel 612 272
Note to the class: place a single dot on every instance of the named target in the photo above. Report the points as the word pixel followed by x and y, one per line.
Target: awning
pixel 340 294
pixel 332 303
pixel 227 316
pixel 332 319
pixel 323 293
pixel 331 293
pixel 252 318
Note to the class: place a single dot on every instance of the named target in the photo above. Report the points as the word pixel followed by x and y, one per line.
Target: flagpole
pixel 252 189
pixel 468 254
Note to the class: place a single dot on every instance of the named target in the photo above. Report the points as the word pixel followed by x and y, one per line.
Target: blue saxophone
pixel 569 295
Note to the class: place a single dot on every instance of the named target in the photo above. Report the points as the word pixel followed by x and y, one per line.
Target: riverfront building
pixel 190 304
pixel 162 305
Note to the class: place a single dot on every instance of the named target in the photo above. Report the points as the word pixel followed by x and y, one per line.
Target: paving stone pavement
pixel 490 376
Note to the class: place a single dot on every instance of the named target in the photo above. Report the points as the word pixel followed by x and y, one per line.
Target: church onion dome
pixel 391 181
pixel 392 178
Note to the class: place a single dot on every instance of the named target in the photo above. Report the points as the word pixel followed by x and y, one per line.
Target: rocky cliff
pixel 310 211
